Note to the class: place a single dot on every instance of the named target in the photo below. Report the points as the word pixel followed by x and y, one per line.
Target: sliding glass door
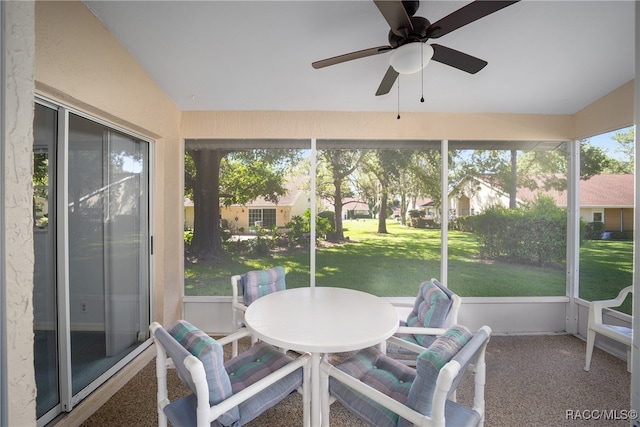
pixel 44 232
pixel 92 292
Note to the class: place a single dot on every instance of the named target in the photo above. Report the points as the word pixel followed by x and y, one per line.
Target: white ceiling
pixel 545 57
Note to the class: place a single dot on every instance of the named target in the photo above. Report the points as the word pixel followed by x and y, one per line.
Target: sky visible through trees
pixel 607 143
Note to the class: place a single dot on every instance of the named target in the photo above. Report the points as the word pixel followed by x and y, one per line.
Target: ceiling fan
pixel 409 34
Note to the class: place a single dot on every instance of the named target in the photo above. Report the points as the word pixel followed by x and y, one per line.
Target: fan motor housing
pixel 418 33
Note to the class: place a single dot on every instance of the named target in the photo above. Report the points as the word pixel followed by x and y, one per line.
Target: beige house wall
pixel 611 112
pixel 232 212
pixel 283 216
pixel 476 196
pixel 78 63
pixel 353 125
pixel 239 215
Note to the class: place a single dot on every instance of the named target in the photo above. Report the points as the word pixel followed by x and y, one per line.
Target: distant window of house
pixel 597 217
pixel 262 217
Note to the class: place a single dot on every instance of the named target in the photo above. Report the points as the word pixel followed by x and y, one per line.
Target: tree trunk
pixel 403 209
pixel 337 208
pixel 513 187
pixel 382 215
pixel 207 240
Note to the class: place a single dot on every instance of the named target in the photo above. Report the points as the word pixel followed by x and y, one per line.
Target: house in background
pixel 354 208
pixel 606 198
pixel 474 195
pixel 245 218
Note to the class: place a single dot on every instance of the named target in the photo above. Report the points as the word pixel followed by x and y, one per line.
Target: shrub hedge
pixel 535 234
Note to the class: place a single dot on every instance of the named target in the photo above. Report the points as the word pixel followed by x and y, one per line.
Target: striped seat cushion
pixel 210 353
pixel 380 372
pixel 256 284
pixel 429 363
pixel 430 310
pixel 254 364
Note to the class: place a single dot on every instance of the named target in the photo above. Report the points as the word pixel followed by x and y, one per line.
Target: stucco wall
pixel 17 110
pixel 350 125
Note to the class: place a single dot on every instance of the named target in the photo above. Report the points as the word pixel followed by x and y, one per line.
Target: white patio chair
pixel 384 392
pixel 434 309
pixel 596 325
pixel 252 285
pixel 224 393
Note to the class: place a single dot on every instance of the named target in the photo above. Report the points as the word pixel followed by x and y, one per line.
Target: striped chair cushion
pixel 256 284
pixel 254 364
pixel 380 372
pixel 430 310
pixel 429 363
pixel 211 354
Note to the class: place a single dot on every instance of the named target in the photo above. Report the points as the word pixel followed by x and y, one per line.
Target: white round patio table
pixel 321 320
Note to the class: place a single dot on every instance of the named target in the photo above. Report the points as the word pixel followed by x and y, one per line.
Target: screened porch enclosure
pixel 513 297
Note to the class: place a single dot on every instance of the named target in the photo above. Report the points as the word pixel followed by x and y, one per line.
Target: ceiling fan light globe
pixel 411 57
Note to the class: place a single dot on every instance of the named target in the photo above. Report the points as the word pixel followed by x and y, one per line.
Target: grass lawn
pixel 394 264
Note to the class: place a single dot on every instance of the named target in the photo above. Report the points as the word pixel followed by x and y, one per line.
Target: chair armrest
pixel 234 288
pixel 416 330
pixel 615 302
pixel 417 349
pixel 402 304
pixel 375 395
pixel 596 307
pixel 300 362
pixel 239 306
pixel 241 333
pixel 413 331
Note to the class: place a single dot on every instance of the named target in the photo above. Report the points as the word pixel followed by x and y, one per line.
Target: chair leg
pixel 325 401
pixel 306 395
pixel 591 339
pixel 234 329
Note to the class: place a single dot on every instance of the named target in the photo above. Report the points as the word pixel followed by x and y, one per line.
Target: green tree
pixel 510 170
pixel 425 176
pixel 387 166
pixel 335 167
pixel 626 147
pixel 222 177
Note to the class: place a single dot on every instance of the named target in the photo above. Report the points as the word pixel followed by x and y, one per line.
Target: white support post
pixel 444 228
pixel 573 235
pixel 635 365
pixel 312 237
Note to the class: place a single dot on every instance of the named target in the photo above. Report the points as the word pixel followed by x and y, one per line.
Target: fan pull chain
pixel 398 98
pixel 422 71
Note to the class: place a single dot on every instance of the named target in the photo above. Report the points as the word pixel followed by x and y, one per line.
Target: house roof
pixel 295 188
pixel 425 203
pixel 355 205
pixel 607 190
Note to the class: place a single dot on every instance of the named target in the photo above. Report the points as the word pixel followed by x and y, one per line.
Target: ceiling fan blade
pixel 396 16
pixel 466 15
pixel 457 59
pixel 350 56
pixel 387 82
